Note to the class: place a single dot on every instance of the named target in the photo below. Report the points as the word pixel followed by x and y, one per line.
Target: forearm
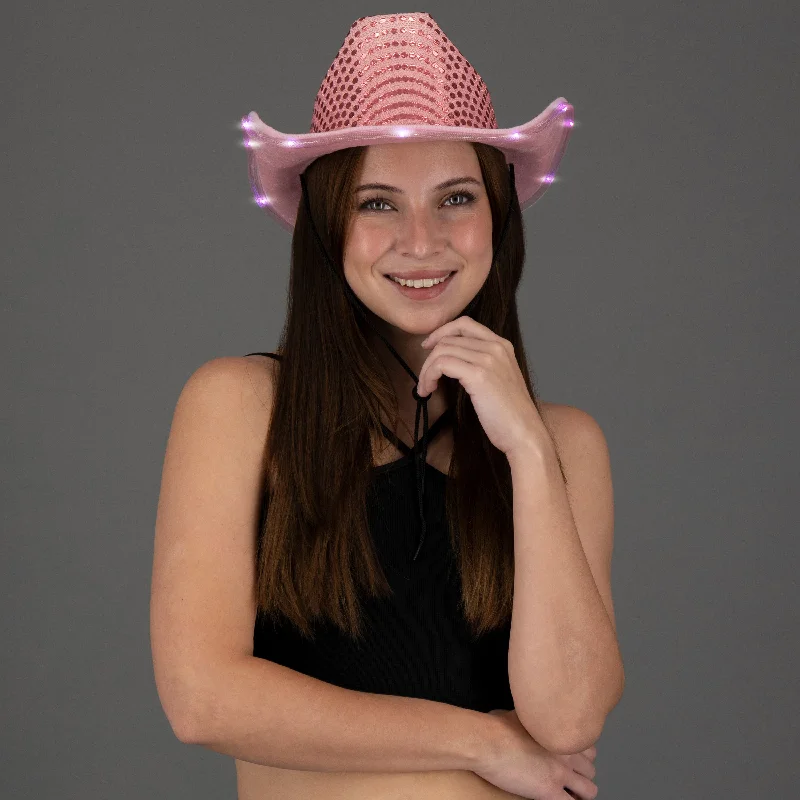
pixel 265 713
pixel 563 654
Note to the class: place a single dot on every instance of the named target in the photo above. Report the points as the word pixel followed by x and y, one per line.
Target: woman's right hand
pixel 520 765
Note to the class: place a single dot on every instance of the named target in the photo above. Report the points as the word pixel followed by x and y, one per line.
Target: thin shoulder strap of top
pixel 271 355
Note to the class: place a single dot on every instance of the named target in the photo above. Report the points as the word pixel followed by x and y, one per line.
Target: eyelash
pixel 363 207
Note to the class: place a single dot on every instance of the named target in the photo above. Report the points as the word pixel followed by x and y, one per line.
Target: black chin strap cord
pixel 421 453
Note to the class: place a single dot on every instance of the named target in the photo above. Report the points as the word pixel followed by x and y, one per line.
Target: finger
pixel 463 326
pixel 455 362
pixel 577 762
pixel 582 765
pixel 470 342
pixel 582 787
pixel 472 351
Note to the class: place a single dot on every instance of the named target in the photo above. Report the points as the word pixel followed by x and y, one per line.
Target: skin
pixel 415 227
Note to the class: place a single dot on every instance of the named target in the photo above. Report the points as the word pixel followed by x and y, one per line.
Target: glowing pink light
pixel 515 135
pixel 548 178
pixel 402 132
pixel 290 143
pixel 246 124
pixel 563 106
pixel 570 123
pixel 262 200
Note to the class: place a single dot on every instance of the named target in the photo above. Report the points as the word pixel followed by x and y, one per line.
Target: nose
pixel 421 234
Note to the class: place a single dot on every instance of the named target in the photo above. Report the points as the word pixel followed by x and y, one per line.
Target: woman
pixel 349 640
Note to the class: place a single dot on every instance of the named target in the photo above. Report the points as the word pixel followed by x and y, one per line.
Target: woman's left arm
pixel 564 663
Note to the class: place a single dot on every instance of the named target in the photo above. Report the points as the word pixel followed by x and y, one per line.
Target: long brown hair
pixel 315 552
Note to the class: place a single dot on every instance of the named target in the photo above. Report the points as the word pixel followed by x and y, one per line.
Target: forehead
pixel 432 158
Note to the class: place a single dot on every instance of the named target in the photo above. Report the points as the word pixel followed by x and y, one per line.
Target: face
pixel 418 208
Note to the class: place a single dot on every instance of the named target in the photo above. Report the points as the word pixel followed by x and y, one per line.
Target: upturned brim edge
pixel 275 159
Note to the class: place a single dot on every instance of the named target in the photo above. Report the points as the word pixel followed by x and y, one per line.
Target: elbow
pixel 562 734
pixel 181 702
pixel 555 729
pixel 185 729
pixel 192 725
pixel 572 746
pixel 561 739
pixel 567 734
pixel 188 727
pixel 196 709
pixel 576 743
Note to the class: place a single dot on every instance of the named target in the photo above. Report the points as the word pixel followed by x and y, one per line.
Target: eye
pixel 368 205
pixel 365 206
pixel 468 195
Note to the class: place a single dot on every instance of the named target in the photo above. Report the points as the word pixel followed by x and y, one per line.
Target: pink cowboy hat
pixel 398 77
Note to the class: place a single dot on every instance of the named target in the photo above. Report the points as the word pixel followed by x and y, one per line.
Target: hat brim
pixel 275 159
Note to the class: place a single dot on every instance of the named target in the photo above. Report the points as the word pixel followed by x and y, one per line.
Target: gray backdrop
pixel 661 296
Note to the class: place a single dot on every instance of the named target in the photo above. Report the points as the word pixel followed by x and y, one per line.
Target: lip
pixel 420 274
pixel 423 293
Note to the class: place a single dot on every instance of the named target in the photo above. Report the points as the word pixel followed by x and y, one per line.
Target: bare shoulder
pixel 222 420
pixel 574 431
pixel 243 384
pixel 219 429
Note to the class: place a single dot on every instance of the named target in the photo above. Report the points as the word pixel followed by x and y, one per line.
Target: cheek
pixel 474 237
pixel 365 244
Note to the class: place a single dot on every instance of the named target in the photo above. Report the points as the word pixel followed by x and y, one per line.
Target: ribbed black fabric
pixel 416 642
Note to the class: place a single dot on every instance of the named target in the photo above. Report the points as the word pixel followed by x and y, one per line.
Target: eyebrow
pixel 444 185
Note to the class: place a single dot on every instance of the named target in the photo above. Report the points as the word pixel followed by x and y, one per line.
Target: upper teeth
pixel 420 283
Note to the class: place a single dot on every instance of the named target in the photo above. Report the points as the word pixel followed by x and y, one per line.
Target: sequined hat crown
pixel 395 77
pixel 400 69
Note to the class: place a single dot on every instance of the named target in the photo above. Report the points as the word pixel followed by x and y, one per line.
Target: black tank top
pixel 416 642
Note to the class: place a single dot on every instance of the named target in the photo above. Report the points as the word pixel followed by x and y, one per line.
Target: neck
pixel 408 346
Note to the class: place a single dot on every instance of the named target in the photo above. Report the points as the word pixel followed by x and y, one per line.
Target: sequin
pixel 435 50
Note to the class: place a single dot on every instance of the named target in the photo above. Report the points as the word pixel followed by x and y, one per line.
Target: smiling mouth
pixel 422 281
